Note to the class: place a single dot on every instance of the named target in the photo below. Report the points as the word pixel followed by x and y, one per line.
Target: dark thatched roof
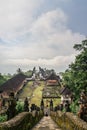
pixel 53 76
pixel 65 91
pixel 13 83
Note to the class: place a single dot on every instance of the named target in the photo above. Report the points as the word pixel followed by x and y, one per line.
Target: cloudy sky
pixel 40 33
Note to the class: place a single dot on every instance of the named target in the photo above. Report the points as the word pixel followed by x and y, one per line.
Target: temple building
pixel 66 95
pixel 52 80
pixel 14 84
pixel 52 86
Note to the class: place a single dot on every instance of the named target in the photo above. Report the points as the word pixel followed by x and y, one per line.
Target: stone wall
pixel 68 121
pixel 23 121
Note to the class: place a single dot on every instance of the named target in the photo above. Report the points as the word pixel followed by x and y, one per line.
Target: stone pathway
pixel 46 123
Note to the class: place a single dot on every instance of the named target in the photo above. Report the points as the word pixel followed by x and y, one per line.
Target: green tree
pixel 2 79
pixel 28 73
pixel 76 76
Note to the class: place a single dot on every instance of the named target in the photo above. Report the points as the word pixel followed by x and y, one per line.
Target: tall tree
pixel 76 76
pixel 2 79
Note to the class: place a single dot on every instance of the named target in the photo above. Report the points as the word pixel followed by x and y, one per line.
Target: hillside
pixel 34 91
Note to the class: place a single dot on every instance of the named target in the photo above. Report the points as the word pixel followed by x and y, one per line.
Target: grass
pixel 56 101
pixel 53 90
pixel 27 91
pixel 35 94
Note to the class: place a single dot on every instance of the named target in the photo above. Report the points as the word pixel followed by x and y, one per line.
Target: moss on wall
pixel 68 121
pixel 23 121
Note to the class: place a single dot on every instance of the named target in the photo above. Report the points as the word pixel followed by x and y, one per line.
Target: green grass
pixel 27 91
pixel 52 90
pixel 35 94
pixel 57 101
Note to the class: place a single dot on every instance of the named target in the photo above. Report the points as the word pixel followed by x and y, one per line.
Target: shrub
pixel 74 107
pixel 20 107
pixel 3 118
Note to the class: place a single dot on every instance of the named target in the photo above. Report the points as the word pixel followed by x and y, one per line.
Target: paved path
pixel 46 123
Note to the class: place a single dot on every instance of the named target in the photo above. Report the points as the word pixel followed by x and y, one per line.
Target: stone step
pixel 46 123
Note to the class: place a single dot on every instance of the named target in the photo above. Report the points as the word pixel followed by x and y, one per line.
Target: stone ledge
pixel 68 121
pixel 23 121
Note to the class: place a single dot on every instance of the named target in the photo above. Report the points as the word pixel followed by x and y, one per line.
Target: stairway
pixel 46 123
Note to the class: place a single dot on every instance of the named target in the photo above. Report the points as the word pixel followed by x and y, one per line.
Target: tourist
pixel 46 111
pixel 42 105
pixel 51 105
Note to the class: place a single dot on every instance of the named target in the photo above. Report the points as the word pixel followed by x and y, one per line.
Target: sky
pixel 40 33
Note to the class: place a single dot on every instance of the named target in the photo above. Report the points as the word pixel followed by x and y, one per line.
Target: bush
pixel 20 107
pixel 74 107
pixel 3 118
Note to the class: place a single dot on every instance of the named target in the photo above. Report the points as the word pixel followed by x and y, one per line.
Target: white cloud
pixel 55 61
pixel 58 62
pixel 16 16
pixel 35 39
pixel 48 23
pixel 50 33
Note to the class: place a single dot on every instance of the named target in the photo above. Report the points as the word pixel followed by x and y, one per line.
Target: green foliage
pixel 3 118
pixel 74 107
pixel 2 80
pixel 7 76
pixel 28 73
pixel 76 76
pixel 20 107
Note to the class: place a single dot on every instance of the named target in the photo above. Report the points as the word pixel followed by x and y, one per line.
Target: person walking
pixel 46 111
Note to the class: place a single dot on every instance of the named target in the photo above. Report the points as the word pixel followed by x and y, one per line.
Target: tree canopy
pixel 75 77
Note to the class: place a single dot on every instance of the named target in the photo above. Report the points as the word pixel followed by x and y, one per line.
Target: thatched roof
pixel 65 91
pixel 53 76
pixel 13 83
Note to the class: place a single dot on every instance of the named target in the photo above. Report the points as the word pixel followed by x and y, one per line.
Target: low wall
pixel 23 121
pixel 68 121
pixel 3 112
